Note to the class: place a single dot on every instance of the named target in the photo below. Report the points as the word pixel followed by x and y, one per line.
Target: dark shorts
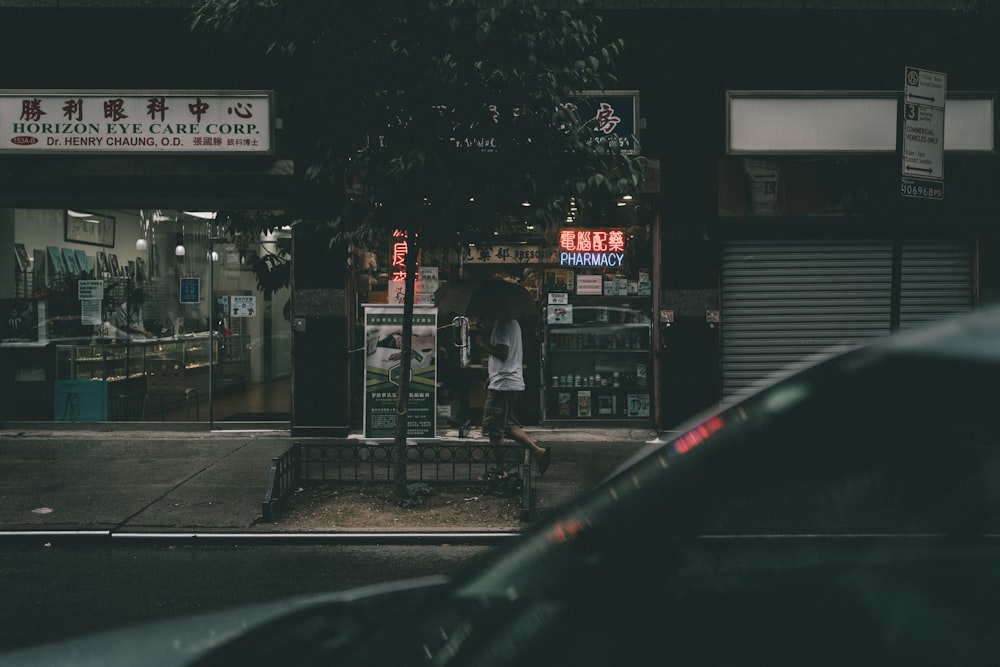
pixel 498 412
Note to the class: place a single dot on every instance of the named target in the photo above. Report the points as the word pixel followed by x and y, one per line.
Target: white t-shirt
pixel 507 375
pixel 126 320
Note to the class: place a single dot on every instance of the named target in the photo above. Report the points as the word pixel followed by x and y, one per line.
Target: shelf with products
pixel 598 403
pixel 599 360
pixel 605 338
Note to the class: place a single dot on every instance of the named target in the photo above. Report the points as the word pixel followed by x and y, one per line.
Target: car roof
pixel 970 336
pixel 971 339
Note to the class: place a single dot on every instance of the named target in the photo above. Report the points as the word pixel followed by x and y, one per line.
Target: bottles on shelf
pixel 634 375
pixel 621 340
pixel 599 356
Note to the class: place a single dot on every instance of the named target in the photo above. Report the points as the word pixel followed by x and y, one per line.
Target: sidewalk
pixel 189 483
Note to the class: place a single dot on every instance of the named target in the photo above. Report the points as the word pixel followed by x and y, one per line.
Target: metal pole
pixel 211 333
pixel 211 329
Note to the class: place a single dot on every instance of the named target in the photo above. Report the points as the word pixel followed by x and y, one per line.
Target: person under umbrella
pixel 487 299
pixel 505 385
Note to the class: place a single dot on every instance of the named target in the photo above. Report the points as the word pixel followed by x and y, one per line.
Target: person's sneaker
pixel 544 461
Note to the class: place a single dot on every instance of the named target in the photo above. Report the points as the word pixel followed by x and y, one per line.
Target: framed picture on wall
pixel 92 228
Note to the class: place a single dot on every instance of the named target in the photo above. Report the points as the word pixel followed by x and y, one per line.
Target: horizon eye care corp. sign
pixel 136 122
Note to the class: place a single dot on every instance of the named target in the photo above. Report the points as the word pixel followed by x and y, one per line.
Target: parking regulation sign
pixel 923 134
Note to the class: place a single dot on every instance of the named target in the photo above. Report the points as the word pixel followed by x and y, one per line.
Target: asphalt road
pixel 62 590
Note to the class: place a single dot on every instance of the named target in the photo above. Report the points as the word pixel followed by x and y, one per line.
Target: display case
pixel 599 360
pixel 117 361
pixel 113 362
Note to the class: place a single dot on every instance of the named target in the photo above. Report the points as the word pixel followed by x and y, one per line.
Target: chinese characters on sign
pixel 426 279
pixel 135 122
pixel 397 256
pixel 90 293
pixel 501 254
pixel 614 116
pixel 591 247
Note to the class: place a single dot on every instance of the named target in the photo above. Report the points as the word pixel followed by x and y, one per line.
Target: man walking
pixel 506 383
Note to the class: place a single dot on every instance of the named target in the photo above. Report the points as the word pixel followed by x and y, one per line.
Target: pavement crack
pixel 124 523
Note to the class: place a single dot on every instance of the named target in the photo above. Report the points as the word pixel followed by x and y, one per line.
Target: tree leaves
pixel 434 117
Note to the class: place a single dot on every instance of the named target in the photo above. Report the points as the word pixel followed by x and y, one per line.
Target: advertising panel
pixel 383 343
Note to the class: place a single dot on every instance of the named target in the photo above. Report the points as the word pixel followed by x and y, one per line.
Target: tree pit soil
pixel 373 507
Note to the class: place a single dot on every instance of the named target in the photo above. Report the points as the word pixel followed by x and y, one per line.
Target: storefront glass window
pixel 135 314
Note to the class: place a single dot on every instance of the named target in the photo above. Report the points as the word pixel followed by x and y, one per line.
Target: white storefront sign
pixel 49 121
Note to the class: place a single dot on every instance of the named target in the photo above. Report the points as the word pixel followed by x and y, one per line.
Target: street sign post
pixel 923 134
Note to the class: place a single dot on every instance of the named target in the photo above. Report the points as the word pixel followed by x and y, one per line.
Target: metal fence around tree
pixel 444 463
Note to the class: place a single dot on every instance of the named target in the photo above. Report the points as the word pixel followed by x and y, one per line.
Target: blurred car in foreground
pixel 846 514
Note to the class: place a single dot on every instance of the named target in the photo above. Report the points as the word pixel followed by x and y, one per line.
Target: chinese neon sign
pixel 425 280
pixel 591 247
pixel 397 256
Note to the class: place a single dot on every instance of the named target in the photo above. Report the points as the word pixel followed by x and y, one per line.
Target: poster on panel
pixel 383 355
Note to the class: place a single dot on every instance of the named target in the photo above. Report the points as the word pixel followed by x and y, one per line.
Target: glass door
pixel 252 365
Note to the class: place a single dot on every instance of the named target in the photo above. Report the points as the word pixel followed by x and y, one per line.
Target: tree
pixel 433 118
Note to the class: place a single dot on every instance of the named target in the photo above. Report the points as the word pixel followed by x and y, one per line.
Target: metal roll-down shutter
pixel 786 300
pixel 936 281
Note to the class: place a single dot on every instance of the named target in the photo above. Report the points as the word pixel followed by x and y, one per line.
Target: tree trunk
pixel 405 363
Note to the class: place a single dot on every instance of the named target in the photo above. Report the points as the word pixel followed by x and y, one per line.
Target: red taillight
pixel 567 531
pixel 697 435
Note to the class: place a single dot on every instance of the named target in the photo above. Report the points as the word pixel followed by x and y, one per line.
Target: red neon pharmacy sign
pixel 591 247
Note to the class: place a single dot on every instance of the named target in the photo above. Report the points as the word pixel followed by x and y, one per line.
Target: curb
pixel 111 539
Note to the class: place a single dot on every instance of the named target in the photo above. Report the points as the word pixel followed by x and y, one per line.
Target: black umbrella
pixel 489 299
